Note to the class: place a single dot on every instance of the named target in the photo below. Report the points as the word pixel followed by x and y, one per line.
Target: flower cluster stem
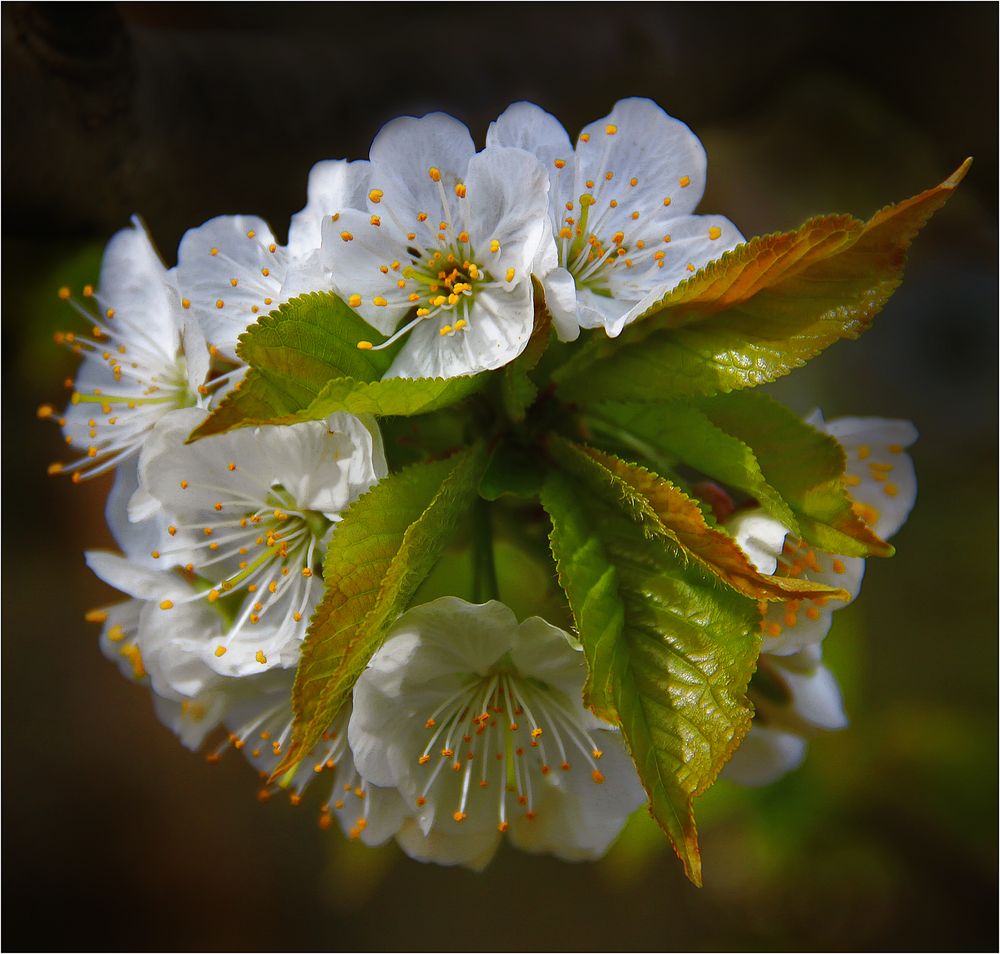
pixel 484 573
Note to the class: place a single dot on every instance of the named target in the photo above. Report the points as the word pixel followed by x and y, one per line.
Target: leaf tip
pixel 958 175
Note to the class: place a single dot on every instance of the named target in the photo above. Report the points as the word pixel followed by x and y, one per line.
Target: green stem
pixel 484 573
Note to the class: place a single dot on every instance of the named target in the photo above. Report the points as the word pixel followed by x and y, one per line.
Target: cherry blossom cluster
pixel 467 724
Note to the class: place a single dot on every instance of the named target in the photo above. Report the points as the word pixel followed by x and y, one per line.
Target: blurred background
pixel 116 838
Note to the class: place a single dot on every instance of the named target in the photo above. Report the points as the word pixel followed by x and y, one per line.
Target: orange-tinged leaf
pixel 666 510
pixel 759 311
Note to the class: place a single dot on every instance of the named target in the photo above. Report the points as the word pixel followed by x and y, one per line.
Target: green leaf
pixel 390 397
pixel 678 431
pixel 387 542
pixel 669 652
pixel 759 311
pixel 305 364
pixel 667 513
pixel 804 465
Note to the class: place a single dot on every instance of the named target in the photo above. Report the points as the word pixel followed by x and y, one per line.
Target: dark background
pixel 118 839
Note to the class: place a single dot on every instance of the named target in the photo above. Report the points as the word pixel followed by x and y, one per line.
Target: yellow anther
pixel 891 490
pixel 234 282
pixel 560 163
pixel 584 137
pixel 684 181
pixel 597 777
pixel 895 448
pixel 375 196
pixel 213 251
pixel 251 234
pixel 379 301
pixel 375 220
pixel 494 246
pixel 618 238
pixel 435 173
pixel 95 616
pixel 347 237
pixel 609 175
pixel 463 236
pixel 610 129
pixel 714 232
pixel 260 657
pixel 666 200
pixel 185 303
pixel 635 215
pixel 459 816
pixel 167 604
pixel 864 452
pixel 445 330
pixel 509 275
pixel 272 248
pixel 220 650
pixel 460 190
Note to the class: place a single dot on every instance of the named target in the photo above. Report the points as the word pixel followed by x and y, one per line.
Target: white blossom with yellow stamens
pixel 232 269
pixel 443 251
pixel 478 722
pixel 249 514
pixel 880 479
pixel 259 722
pixel 620 209
pixel 794 694
pixel 142 358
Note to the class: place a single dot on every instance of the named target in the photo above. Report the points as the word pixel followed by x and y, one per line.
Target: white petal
pixel 130 577
pixel 760 537
pixel 560 299
pixel 406 149
pixel 356 252
pixel 137 540
pixel 886 483
pixel 765 755
pixel 508 202
pixel 648 145
pixel 499 326
pixel 816 698
pixel 228 249
pixel 334 185
pixel 136 286
pixel 527 126
pixel 474 850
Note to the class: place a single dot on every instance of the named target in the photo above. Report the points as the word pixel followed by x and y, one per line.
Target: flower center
pixel 506 733
pixel 277 550
pixel 445 272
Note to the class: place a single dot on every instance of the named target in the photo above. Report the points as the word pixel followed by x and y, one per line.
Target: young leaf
pixel 758 312
pixel 679 431
pixel 669 653
pixel 386 544
pixel 666 512
pixel 804 465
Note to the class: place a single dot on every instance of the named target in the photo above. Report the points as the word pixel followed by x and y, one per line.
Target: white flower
pixel 620 207
pixel 478 722
pixel 232 270
pixel 142 358
pixel 444 247
pixel 794 696
pixel 260 725
pixel 881 480
pixel 250 513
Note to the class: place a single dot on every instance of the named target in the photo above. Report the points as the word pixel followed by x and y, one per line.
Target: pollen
pixel 96 616
pixel 167 604
pixel 185 302
pixel 714 232
pixel 584 137
pixel 213 251
pixel 684 181
pixel 435 173
pixel 346 236
pixel 510 275
pixel 494 246
pixel 220 650
pixel 610 129
pixel 597 776
pixel 559 163
pixel 260 657
pixel 375 196
pixel 354 301
pixel 375 220
pixel 219 303
pixel 460 190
